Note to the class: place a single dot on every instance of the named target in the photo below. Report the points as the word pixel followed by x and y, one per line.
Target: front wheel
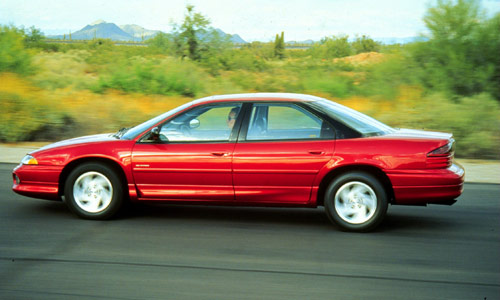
pixel 93 191
pixel 356 201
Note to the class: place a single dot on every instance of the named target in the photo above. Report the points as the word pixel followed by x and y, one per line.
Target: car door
pixel 190 159
pixel 279 154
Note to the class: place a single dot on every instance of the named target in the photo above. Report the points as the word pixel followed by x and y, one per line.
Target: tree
pixel 489 38
pixel 179 45
pixel 13 55
pixel 461 55
pixel 33 36
pixel 192 28
pixel 332 47
pixel 450 21
pixel 364 44
pixel 279 46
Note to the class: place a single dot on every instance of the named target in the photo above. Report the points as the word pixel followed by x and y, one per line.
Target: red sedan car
pixel 250 149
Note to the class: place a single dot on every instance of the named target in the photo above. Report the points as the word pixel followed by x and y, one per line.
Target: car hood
pixel 79 140
pixel 412 133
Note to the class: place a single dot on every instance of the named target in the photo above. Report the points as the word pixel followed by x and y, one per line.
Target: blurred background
pixel 447 79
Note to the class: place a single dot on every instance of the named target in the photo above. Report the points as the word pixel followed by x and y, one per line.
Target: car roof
pixel 253 97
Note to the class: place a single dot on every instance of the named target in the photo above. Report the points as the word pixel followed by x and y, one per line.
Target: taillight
pixel 441 157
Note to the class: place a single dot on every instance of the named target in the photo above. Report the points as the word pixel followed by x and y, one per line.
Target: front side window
pixel 283 122
pixel 206 123
pixel 135 131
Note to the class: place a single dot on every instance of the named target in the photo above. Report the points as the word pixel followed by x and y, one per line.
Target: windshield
pixel 135 131
pixel 362 123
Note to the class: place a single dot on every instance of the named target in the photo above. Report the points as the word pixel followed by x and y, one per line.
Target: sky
pixel 256 20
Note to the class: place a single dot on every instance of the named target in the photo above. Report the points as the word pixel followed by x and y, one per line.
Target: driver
pixel 231 118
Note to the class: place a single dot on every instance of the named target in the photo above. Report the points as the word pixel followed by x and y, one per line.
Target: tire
pixel 356 201
pixel 93 191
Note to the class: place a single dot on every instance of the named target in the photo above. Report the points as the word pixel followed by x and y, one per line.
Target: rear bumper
pixel 37 181
pixel 431 186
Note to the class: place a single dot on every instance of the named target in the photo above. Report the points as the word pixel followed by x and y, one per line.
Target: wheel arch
pixel 372 170
pixel 106 161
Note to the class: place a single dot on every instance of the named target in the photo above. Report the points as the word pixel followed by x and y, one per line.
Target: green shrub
pixel 100 44
pixel 33 38
pixel 13 55
pixel 474 121
pixel 155 76
pixel 331 47
pixel 243 59
pixel 331 83
pixel 261 50
pixel 243 79
pixel 297 53
pixel 385 78
pixel 460 56
pixel 161 43
pixel 60 70
pixel 365 44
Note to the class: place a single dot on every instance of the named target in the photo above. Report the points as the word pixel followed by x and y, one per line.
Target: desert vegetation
pixel 447 81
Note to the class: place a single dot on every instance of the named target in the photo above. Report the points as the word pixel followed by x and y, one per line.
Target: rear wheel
pixel 356 201
pixel 93 191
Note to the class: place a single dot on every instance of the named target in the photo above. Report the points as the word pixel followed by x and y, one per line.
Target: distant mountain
pixel 131 32
pixel 102 30
pixel 138 32
pixel 234 38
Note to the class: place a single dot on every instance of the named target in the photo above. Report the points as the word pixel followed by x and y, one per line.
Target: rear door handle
pixel 316 152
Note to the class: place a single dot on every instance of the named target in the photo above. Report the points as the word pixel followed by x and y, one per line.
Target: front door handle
pixel 316 152
pixel 219 153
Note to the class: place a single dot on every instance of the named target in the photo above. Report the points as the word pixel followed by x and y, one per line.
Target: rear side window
pixel 284 122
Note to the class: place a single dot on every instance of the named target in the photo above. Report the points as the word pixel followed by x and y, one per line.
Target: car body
pixel 261 149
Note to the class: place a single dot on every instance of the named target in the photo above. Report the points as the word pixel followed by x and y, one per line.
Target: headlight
pixel 29 160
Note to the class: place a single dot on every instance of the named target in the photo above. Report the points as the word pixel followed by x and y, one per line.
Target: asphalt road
pixel 196 252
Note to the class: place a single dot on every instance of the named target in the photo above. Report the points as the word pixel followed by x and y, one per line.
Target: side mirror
pixel 194 123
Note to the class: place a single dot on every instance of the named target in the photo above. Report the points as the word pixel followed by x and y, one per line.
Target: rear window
pixel 360 122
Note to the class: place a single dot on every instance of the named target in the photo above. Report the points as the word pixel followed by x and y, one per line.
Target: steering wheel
pixel 185 130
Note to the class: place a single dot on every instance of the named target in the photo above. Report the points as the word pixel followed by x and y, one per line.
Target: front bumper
pixel 430 186
pixel 37 181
